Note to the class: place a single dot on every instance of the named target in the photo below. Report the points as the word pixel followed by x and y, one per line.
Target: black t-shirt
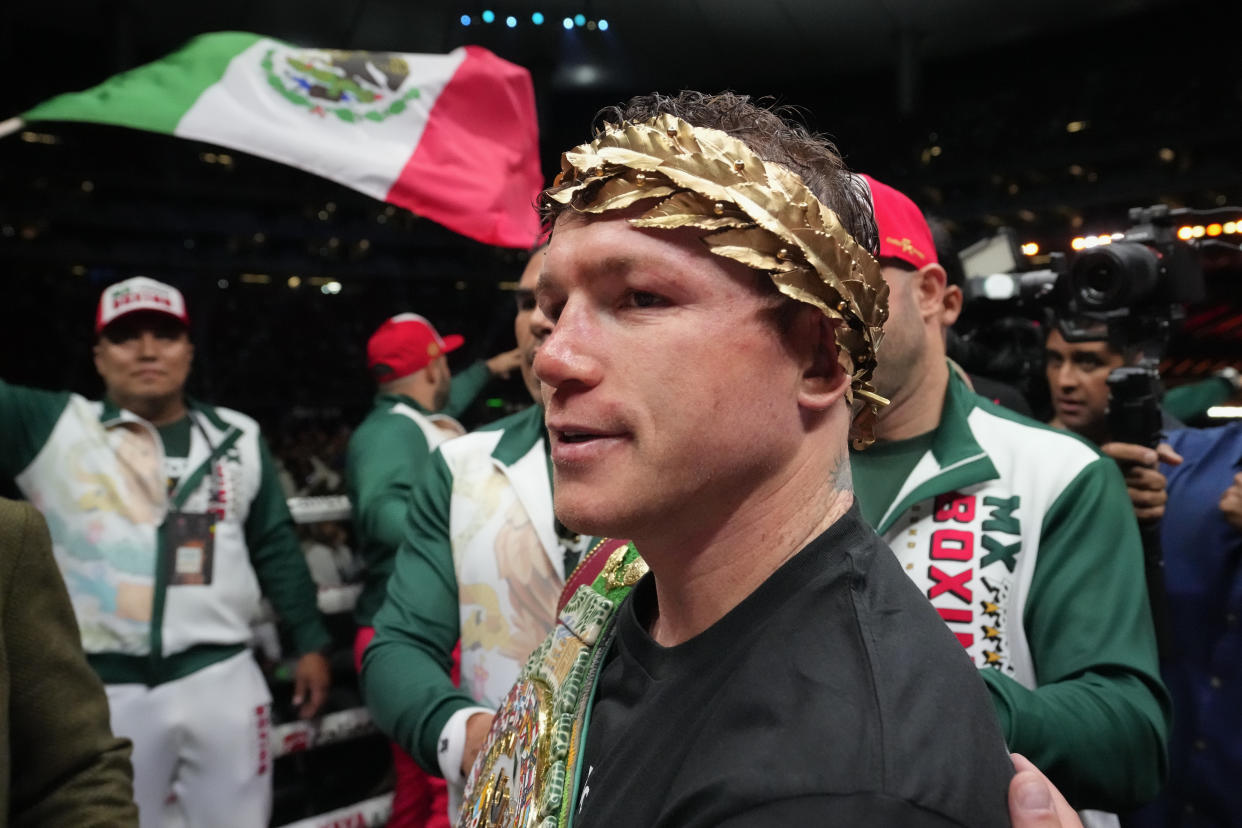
pixel 832 695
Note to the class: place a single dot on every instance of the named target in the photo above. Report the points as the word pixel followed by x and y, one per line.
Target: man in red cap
pixel 168 524
pixel 388 454
pixel 1023 539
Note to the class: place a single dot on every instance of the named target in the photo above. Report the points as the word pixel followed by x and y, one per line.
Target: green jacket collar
pixel 959 460
pixel 111 412
pixel 521 433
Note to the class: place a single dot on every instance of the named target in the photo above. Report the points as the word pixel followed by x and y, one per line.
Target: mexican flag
pixel 450 137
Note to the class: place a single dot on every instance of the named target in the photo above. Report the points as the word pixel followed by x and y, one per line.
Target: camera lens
pixel 1118 275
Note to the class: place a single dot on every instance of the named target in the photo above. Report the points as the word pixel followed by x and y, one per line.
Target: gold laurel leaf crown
pixel 756 212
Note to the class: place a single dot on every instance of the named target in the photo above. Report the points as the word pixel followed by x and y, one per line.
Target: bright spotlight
pixel 511 22
pixel 488 16
pixel 603 25
pixel 537 18
pixel 568 22
pixel 1030 249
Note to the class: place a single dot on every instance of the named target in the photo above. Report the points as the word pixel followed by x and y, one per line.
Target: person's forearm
pixel 1099 738
pixel 410 695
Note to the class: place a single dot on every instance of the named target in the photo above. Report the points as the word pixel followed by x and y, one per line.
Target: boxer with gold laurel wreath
pixel 664 173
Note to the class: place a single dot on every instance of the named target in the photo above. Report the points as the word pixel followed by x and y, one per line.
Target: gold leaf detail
pixel 758 213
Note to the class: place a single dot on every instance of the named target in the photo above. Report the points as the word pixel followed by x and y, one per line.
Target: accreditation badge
pixel 189 545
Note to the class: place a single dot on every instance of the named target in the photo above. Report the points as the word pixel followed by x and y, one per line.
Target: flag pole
pixel 10 126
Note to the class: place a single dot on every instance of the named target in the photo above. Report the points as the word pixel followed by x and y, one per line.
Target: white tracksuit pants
pixel 201 754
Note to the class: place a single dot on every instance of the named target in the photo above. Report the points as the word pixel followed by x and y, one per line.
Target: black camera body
pixel 1130 288
pixel 1139 284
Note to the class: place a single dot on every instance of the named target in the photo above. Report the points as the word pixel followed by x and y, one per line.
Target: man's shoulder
pixel 524 419
pixel 1002 431
pixel 387 415
pixel 522 429
pixel 1193 443
pixel 226 418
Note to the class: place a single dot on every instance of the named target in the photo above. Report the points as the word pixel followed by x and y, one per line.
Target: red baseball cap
pixel 139 294
pixel 405 344
pixel 904 233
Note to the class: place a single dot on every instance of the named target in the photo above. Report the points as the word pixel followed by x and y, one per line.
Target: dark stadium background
pixel 963 104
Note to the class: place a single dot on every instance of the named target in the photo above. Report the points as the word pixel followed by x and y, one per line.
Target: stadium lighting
pixel 1217 412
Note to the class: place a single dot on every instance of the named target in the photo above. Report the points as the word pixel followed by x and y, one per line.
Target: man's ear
pixel 952 303
pixel 823 379
pixel 930 285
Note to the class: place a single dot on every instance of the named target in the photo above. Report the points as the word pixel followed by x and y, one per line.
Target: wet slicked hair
pixel 773 134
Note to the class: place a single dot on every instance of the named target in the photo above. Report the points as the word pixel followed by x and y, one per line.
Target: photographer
pixel 1078 357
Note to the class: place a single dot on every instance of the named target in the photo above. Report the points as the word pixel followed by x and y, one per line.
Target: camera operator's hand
pixel 1231 502
pixel 1141 467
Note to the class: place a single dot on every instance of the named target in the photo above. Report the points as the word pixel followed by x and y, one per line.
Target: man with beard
pixel 388 453
pixel 483 561
pixel 169 524
pixel 1023 540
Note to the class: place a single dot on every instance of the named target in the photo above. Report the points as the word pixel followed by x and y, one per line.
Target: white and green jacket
pixel 481 562
pixel 1023 538
pixel 97 474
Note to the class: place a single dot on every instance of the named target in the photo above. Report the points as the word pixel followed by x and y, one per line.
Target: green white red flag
pixel 453 138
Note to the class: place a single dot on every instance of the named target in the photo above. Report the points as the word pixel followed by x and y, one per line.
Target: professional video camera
pixel 1144 272
pixel 1133 285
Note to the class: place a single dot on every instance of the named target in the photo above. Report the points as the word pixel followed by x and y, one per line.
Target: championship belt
pixel 525 772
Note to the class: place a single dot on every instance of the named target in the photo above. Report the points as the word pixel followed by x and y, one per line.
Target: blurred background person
pixel 483 562
pixel 168 524
pixel 388 454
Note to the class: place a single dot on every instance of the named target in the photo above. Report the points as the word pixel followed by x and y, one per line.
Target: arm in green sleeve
pixel 278 561
pixel 69 768
pixel 466 385
pixel 27 417
pixel 405 670
pixel 1097 724
pixel 387 455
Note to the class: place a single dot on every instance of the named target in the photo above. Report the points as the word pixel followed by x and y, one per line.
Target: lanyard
pixel 190 482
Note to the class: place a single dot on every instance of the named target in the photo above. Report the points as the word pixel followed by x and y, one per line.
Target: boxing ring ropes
pixel 343 725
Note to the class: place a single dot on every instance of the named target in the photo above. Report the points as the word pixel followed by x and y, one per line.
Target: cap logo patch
pixel 906 246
